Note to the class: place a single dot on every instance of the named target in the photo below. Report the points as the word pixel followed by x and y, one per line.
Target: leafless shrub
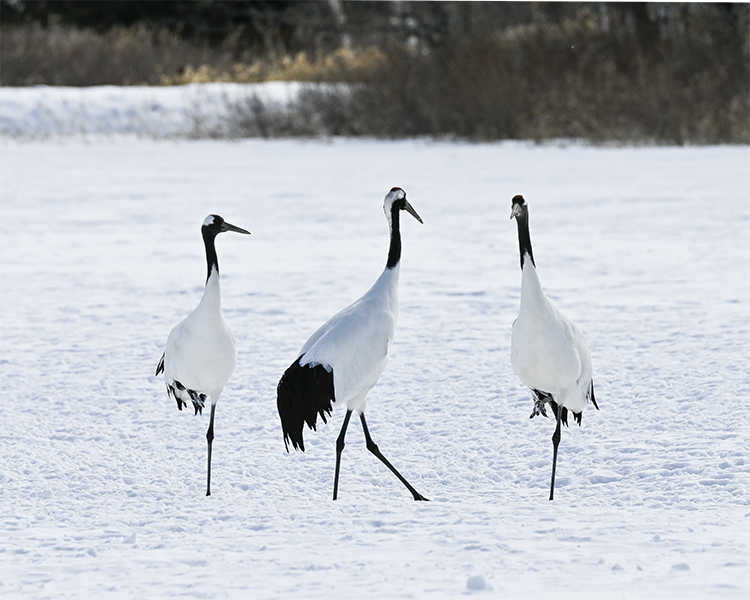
pixel 62 55
pixel 571 79
pixel 553 80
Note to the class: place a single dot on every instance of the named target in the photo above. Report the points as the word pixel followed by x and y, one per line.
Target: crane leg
pixel 555 444
pixel 373 447
pixel 339 450
pixel 210 439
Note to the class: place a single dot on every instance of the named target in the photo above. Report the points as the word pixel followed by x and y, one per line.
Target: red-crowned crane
pixel 548 351
pixel 201 353
pixel 343 359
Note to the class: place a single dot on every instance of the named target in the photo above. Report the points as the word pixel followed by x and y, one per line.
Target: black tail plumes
pixel 303 393
pixel 591 395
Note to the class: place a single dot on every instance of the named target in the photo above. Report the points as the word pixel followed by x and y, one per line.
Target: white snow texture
pixel 102 479
pixel 192 111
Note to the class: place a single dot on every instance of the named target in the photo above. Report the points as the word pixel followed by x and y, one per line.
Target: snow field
pixel 101 485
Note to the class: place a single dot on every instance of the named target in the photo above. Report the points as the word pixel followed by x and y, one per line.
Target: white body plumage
pixel 548 350
pixel 356 342
pixel 201 352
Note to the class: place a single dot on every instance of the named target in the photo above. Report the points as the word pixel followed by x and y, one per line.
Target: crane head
pixel 397 197
pixel 215 225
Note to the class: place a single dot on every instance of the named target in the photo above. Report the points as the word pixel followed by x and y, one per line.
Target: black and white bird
pixel 201 353
pixel 548 351
pixel 343 359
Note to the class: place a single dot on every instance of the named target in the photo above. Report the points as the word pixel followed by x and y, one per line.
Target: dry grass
pixel 61 55
pixel 344 64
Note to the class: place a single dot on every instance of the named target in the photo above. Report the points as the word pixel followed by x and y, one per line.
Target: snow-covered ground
pixel 102 479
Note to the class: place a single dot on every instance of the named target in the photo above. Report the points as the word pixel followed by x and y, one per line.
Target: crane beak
pixel 516 211
pixel 229 227
pixel 410 209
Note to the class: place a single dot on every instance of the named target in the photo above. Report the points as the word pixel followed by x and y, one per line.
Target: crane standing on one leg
pixel 548 350
pixel 201 353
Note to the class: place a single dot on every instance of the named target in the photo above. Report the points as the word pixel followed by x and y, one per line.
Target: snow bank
pixel 190 111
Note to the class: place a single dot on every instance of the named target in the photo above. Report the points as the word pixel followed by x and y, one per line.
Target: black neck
pixel 524 239
pixel 212 260
pixel 394 252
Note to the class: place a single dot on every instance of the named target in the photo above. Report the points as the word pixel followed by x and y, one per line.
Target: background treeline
pixel 630 72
